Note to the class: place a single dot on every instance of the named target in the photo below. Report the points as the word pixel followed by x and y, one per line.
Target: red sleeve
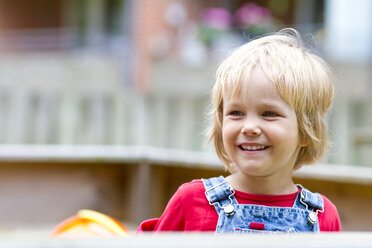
pixel 147 225
pixel 173 217
pixel 188 210
pixel 329 221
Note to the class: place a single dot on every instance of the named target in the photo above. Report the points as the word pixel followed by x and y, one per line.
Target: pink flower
pixel 252 14
pixel 217 18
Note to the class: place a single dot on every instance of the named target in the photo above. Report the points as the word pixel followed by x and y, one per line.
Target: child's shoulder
pixel 328 204
pixel 191 193
pixel 194 186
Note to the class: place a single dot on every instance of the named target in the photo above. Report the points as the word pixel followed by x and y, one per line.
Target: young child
pixel 269 103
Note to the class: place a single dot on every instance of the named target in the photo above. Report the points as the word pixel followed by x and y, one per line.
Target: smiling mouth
pixel 252 148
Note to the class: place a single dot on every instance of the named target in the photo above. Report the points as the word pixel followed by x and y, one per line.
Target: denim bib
pixel 247 218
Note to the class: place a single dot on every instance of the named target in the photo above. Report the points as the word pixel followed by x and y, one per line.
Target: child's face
pixel 260 131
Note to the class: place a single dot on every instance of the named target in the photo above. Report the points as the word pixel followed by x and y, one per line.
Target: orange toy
pixel 89 223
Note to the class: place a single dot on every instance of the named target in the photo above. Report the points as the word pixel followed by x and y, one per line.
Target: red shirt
pixel 189 210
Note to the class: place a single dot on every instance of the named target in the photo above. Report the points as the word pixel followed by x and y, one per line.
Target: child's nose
pixel 251 128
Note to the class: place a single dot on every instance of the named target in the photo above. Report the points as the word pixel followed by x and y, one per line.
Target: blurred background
pixel 103 103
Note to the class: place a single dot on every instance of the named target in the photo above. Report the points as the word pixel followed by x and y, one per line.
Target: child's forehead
pixel 257 85
pixel 248 80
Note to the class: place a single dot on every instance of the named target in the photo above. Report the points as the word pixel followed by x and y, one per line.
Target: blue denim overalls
pixel 247 218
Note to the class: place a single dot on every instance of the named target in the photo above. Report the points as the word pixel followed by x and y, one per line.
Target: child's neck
pixel 261 185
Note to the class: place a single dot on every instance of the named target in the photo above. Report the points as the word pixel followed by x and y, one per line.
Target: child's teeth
pixel 253 148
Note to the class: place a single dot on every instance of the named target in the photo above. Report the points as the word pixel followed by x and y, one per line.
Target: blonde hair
pixel 303 80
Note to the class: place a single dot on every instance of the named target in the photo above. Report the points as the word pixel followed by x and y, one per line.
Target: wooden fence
pixel 80 101
pixel 83 99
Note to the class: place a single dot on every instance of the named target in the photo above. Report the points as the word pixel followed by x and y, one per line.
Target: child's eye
pixel 270 114
pixel 236 113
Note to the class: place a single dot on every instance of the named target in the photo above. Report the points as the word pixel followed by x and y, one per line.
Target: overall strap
pixel 220 194
pixel 313 200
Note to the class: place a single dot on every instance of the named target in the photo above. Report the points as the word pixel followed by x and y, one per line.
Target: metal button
pixel 312 218
pixel 229 210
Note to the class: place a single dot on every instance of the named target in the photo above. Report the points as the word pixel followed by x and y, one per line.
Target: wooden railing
pixel 84 100
pixel 75 101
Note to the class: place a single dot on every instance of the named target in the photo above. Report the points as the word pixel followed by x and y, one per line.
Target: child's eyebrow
pixel 281 107
pixel 233 103
pixel 275 103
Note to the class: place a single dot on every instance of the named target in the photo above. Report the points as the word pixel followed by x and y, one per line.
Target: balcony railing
pixel 75 99
pixel 54 99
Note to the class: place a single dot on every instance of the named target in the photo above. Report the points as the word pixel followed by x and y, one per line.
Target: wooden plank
pixel 17 118
pixel 118 123
pixel 67 118
pixel 44 117
pixel 196 240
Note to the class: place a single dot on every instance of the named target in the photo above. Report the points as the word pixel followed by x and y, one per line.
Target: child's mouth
pixel 251 148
